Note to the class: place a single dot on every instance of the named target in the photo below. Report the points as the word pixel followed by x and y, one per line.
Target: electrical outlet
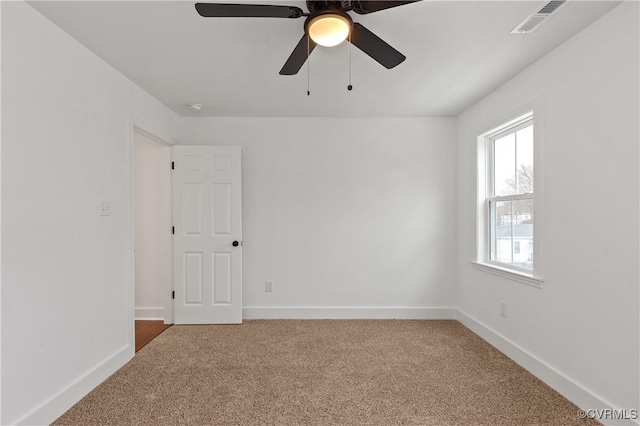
pixel 104 208
pixel 268 286
pixel 503 309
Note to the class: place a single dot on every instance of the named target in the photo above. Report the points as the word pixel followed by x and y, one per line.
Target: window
pixel 506 197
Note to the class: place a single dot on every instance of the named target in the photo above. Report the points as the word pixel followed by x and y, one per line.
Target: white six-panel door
pixel 207 219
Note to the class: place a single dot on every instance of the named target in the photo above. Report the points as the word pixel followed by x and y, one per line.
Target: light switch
pixel 105 208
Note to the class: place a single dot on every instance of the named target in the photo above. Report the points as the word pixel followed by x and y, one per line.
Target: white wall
pixel 584 322
pixel 343 213
pixel 66 272
pixel 152 209
pixel 0 217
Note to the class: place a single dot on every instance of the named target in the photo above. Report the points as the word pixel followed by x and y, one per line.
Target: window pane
pixel 510 187
pixel 504 165
pixel 523 233
pixel 524 140
pixel 502 232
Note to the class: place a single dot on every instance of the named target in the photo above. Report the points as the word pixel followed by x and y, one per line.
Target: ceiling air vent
pixel 534 20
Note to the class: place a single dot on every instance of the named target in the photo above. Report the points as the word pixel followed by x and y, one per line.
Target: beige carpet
pixel 372 372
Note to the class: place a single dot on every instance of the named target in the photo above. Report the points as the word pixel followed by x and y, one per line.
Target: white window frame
pixel 524 117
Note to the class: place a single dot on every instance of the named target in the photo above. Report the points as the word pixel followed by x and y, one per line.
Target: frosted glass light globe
pixel 329 30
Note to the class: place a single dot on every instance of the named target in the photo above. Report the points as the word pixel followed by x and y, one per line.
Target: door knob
pixel 236 244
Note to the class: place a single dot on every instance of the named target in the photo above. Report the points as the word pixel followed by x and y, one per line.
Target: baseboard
pixel 573 391
pixel 60 402
pixel 259 312
pixel 149 313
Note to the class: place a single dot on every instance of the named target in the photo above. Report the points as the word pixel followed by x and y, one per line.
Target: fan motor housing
pixel 319 6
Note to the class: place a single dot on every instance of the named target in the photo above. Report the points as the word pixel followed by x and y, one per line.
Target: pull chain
pixel 308 66
pixel 349 87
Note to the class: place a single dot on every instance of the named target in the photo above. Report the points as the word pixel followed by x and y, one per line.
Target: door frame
pixel 136 125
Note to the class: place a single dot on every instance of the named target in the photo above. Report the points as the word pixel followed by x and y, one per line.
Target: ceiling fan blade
pixel 375 47
pixel 298 56
pixel 363 7
pixel 220 10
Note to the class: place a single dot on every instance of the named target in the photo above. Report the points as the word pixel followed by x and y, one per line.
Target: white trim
pixel 510 274
pixel 567 387
pixel 138 125
pixel 131 258
pixel 538 185
pixel 515 124
pixel 0 223
pixel 150 313
pixel 514 197
pixel 267 312
pixel 56 405
pixel 151 130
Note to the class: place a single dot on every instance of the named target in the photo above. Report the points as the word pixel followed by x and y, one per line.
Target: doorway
pixel 152 236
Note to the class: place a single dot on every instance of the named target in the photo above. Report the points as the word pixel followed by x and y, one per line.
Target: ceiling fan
pixel 327 24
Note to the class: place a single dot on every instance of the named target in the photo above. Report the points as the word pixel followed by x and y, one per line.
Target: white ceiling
pixel 456 51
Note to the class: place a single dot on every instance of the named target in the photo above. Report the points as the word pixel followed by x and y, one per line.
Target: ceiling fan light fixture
pixel 329 29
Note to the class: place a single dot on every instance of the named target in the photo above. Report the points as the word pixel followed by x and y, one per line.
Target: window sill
pixel 521 277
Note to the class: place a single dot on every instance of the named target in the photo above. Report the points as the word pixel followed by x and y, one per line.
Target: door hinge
pixel 173 229
pixel 173 294
pixel 173 165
